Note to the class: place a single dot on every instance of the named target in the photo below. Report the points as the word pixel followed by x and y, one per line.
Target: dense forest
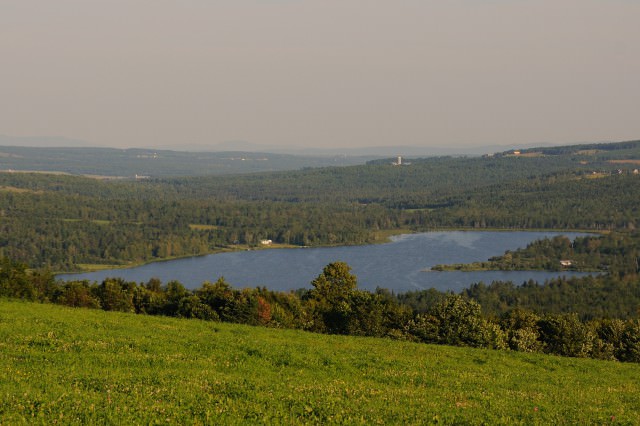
pixel 66 222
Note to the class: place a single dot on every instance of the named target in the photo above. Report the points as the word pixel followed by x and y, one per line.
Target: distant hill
pixel 55 154
pixel 375 151
pixel 250 147
pixel 129 163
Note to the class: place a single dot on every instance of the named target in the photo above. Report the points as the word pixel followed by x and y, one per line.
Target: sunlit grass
pixel 626 161
pixel 198 227
pixel 19 190
pixel 81 366
pixel 96 266
pixel 96 221
pixel 596 175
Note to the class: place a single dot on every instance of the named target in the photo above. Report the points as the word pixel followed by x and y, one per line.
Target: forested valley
pixel 64 223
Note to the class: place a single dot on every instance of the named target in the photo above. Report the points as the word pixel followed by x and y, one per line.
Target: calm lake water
pixel 398 265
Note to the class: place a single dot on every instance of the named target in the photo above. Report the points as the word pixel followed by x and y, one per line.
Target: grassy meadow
pixel 77 366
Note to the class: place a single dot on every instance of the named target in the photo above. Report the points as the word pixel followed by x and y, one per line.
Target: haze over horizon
pixel 320 74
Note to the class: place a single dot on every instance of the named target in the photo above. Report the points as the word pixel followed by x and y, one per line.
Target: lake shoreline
pixel 396 266
pixel 386 237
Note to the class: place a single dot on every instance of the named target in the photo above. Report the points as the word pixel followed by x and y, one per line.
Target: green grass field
pixel 63 365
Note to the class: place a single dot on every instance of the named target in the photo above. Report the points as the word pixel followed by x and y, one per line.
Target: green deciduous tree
pixel 565 335
pixel 331 298
pixel 457 321
pixel 77 294
pixel 116 295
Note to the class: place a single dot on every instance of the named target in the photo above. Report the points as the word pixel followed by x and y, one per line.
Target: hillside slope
pixel 84 366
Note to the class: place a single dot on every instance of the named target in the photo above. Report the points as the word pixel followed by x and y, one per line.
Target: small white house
pixel 266 242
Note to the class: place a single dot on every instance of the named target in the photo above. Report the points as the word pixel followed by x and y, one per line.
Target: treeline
pixel 578 150
pixel 334 305
pixel 588 297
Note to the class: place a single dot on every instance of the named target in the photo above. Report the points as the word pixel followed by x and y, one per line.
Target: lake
pixel 398 265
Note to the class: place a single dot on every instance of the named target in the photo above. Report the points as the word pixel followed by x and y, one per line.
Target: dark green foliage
pixel 331 298
pixel 335 284
pixel 565 335
pixel 219 296
pixel 192 307
pixel 522 330
pixel 175 292
pixel 151 298
pixel 116 295
pixel 590 297
pixel 421 301
pixel 339 308
pixel 630 345
pixel 14 280
pixel 367 315
pixel 610 338
pixel 77 294
pixel 459 322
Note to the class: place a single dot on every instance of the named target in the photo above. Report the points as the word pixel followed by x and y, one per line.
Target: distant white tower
pixel 399 161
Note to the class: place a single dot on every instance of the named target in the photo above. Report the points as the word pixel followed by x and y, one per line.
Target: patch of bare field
pixel 532 154
pixel 624 161
pixel 59 173
pixel 18 190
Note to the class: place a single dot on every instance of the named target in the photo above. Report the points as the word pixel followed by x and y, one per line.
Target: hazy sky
pixel 321 73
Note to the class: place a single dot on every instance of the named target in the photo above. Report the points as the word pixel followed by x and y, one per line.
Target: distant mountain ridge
pixel 250 147
pixel 136 162
pixel 241 146
pixel 379 151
